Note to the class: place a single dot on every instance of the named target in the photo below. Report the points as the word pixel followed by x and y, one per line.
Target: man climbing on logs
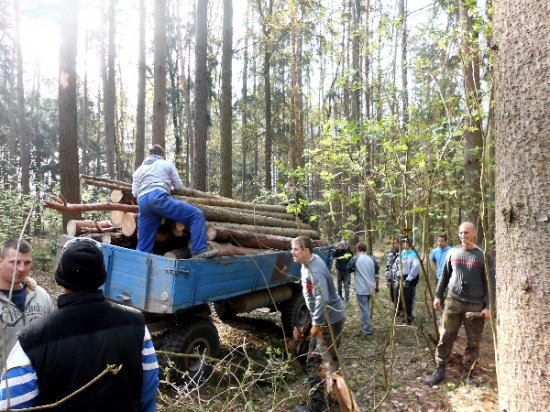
pixel 151 185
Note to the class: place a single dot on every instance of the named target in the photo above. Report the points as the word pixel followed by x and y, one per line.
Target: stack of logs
pixel 233 227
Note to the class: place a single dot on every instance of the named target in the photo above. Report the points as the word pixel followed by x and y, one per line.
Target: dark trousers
pixel 410 293
pixel 454 315
pixel 406 301
pixel 318 399
pixel 344 279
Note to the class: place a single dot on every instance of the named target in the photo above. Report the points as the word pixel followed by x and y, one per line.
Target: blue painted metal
pixel 158 284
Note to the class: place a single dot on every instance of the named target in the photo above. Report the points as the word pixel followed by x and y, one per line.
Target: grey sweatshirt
pixel 155 173
pixel 366 270
pixel 464 274
pixel 318 288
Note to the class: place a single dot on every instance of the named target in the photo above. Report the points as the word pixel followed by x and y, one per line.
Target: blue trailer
pixel 175 295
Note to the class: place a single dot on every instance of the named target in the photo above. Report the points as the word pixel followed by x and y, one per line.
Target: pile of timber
pixel 233 227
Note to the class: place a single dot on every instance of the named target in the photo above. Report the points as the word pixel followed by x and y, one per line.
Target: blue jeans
pixel 364 306
pixel 155 205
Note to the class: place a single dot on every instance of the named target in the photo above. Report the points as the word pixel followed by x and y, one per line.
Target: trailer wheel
pixel 196 337
pixel 224 311
pixel 294 312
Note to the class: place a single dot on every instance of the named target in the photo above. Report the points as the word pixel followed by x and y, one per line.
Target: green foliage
pixel 15 211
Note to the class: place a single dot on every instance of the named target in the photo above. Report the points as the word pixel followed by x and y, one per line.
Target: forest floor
pixel 255 374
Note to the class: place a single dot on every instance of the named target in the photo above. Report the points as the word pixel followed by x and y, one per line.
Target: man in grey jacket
pixel 367 274
pixel 152 183
pixel 327 318
pixel 21 299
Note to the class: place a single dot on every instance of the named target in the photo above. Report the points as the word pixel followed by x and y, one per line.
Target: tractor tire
pixel 294 312
pixel 198 336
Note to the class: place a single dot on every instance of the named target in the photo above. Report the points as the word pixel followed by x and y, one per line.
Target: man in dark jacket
pixel 87 338
pixel 341 257
pixel 469 290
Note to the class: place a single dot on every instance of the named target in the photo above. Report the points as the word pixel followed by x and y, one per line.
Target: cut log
pixel 195 193
pixel 123 196
pixel 79 207
pixel 117 216
pixel 336 384
pixel 106 238
pixel 129 224
pixel 105 182
pixel 264 213
pixel 279 231
pixel 224 202
pixel 78 227
pixel 250 239
pixel 178 229
pixel 228 249
pixel 220 214
pixel 183 253
pixel 340 390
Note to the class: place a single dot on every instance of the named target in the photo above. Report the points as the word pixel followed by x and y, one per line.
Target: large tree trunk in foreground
pixel 522 30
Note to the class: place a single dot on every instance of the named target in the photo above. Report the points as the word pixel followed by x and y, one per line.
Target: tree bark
pixel 473 139
pixel 109 91
pixel 228 249
pixel 226 172
pixel 216 213
pixel 88 207
pixel 24 136
pixel 270 230
pixel 198 177
pixel 247 207
pixel 522 115
pixel 142 71
pixel 159 99
pixel 79 227
pixel 186 92
pixel 250 239
pixel 68 137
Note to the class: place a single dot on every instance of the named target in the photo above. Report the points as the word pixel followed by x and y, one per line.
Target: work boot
pixel 205 254
pixel 437 376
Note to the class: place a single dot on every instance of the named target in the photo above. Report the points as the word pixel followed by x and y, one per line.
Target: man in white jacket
pixel 21 299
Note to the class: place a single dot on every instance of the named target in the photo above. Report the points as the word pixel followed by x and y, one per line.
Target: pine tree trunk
pixel 198 177
pixel 159 99
pixel 109 91
pixel 24 137
pixel 142 71
pixel 522 115
pixel 473 139
pixel 226 172
pixel 68 139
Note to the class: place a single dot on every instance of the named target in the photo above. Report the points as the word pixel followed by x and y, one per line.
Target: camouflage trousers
pixel 454 315
pixel 318 398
